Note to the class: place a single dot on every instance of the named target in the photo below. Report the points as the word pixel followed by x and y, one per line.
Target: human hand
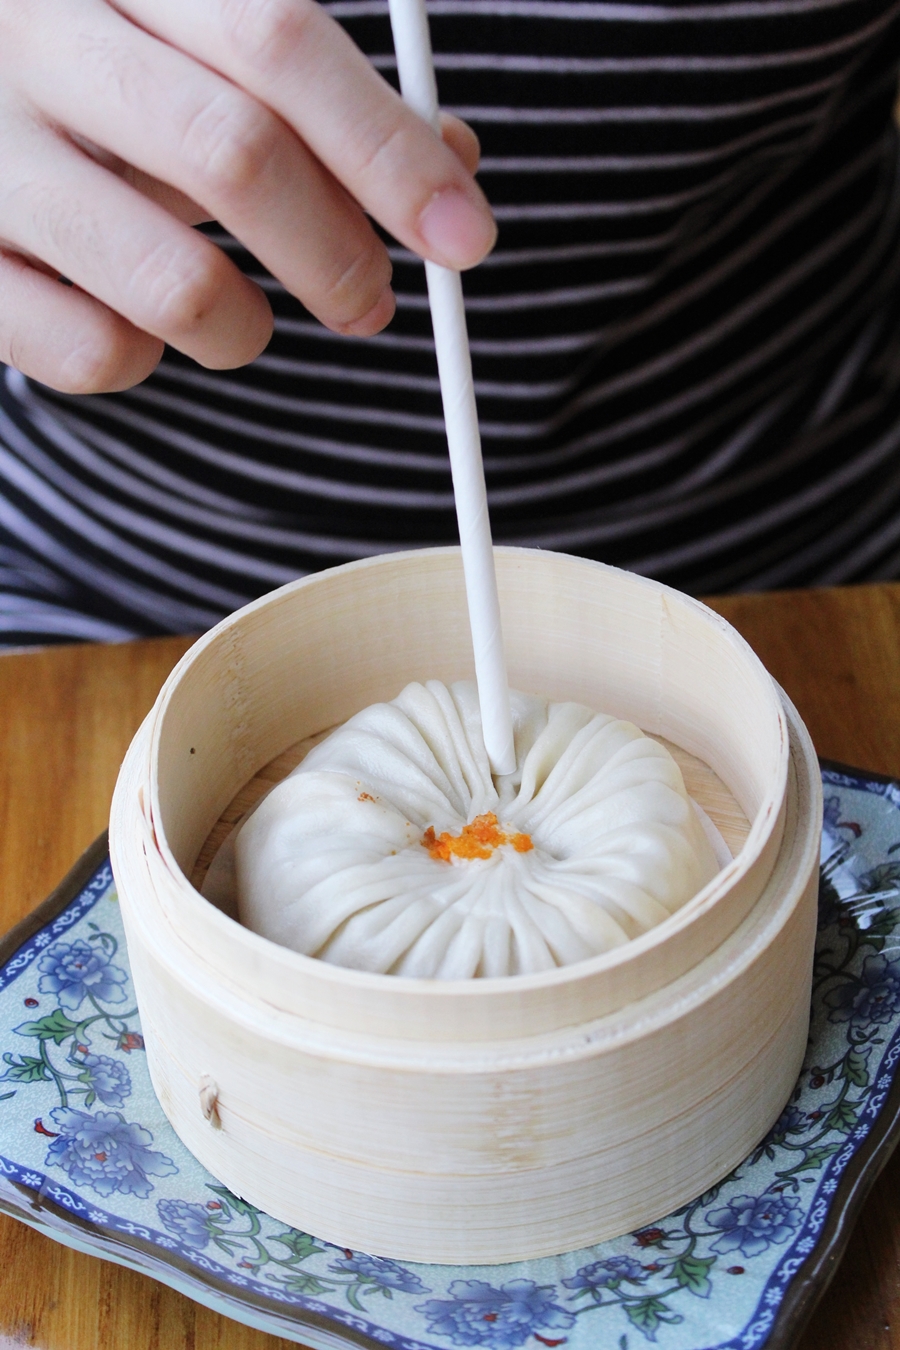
pixel 120 128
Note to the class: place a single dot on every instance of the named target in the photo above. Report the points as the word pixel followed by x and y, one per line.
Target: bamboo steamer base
pixel 474 1121
pixel 641 1167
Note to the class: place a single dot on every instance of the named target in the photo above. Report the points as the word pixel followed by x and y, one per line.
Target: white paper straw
pixel 412 42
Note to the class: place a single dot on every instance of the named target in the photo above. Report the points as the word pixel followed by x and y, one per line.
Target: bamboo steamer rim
pixel 355 1000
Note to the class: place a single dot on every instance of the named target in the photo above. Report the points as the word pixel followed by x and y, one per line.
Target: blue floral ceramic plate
pixel 87 1156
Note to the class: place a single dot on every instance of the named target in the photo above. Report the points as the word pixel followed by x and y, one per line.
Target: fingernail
pixel 457 232
pixel 378 317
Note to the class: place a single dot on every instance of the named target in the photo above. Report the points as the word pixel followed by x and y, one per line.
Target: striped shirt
pixel 686 343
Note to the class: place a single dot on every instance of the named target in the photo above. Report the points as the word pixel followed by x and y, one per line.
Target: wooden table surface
pixel 66 717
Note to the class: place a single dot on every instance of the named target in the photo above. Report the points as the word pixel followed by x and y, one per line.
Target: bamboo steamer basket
pixel 475 1121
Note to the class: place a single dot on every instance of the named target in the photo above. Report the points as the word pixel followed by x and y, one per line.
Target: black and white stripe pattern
pixel 686 344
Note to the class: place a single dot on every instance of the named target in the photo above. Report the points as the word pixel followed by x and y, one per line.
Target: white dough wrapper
pixel 336 862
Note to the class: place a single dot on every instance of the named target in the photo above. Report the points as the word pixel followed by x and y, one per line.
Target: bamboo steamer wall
pixel 484 1120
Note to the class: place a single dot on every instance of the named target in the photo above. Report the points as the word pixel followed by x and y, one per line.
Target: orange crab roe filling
pixel 476 840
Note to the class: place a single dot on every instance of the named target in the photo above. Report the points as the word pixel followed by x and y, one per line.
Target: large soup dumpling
pixel 392 849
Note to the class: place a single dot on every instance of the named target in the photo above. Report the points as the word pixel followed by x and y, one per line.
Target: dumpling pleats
pixel 392 849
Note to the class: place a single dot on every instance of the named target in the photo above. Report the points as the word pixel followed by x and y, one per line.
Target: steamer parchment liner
pixel 483 1095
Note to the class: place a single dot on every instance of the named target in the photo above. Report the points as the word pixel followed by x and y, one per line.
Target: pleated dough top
pixel 392 849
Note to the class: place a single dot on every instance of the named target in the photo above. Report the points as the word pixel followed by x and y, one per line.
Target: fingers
pixel 66 339
pixel 297 61
pixel 126 251
pixel 462 141
pixel 176 203
pixel 128 140
pixel 182 124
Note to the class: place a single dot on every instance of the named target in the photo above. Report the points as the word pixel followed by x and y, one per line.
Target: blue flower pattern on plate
pixel 385 1275
pixel 751 1223
pixel 78 1116
pixel 872 996
pixel 791 1121
pixel 75 971
pixel 196 1224
pixel 105 1152
pixel 107 1079
pixel 606 1274
pixel 479 1314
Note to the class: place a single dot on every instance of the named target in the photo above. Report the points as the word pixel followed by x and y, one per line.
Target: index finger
pixel 290 55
